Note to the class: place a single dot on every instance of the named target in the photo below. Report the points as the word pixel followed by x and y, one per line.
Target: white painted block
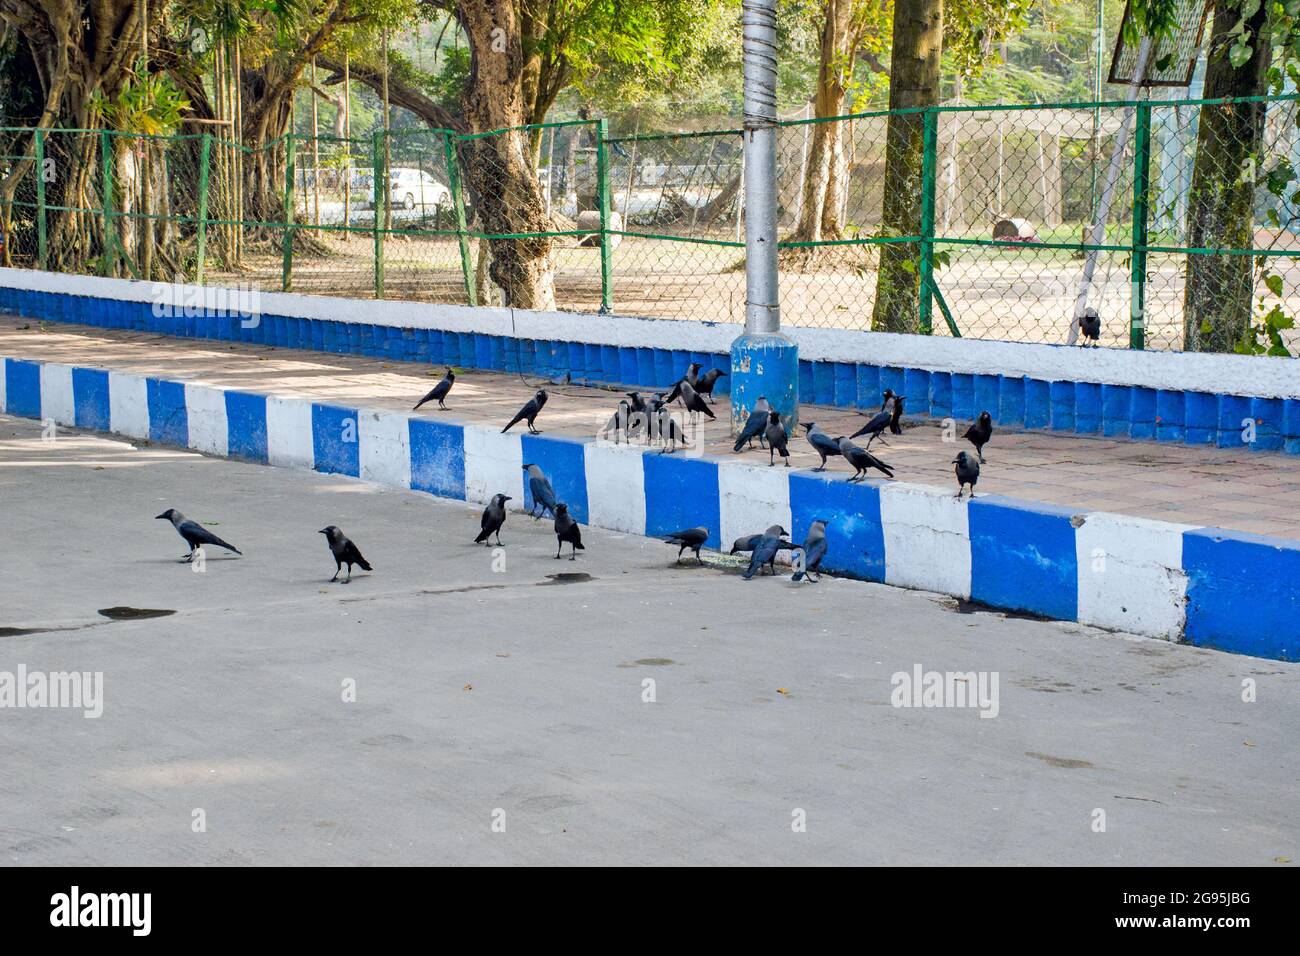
pixel 205 410
pixel 615 487
pixel 493 465
pixel 927 538
pixel 56 394
pixel 751 499
pixel 288 433
pixel 1130 574
pixel 385 447
pixel 128 405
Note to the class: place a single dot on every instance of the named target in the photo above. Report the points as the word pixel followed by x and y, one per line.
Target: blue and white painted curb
pixel 1208 586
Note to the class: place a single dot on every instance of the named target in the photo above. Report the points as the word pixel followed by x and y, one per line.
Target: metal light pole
pixel 764 364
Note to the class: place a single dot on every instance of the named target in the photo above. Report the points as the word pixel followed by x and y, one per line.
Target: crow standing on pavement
pixel 529 412
pixel 692 400
pixel 691 377
pixel 494 516
pixel 439 392
pixel 543 492
pixel 861 459
pixel 968 472
pixel 895 415
pixel 822 443
pixel 667 429
pixel 567 531
pixel 765 551
pixel 621 421
pixel 755 425
pixel 344 551
pixel 875 427
pixel 980 433
pixel 814 549
pixel 748 542
pixel 195 534
pixel 709 379
pixel 692 538
pixel 776 440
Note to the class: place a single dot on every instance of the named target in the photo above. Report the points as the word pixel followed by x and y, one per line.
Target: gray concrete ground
pixel 480 691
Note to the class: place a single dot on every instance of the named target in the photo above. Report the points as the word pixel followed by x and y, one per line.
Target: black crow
pixel 765 551
pixel 875 427
pixel 529 412
pixel 980 433
pixel 543 492
pixel 814 549
pixel 344 551
pixel 566 530
pixel 708 380
pixel 885 396
pixel 494 516
pixel 968 472
pixel 691 376
pixel 620 423
pixel 439 392
pixel 861 459
pixel 692 400
pixel 692 538
pixel 823 443
pixel 195 534
pixel 667 429
pixel 755 425
pixel 1090 326
pixel 776 440
pixel 896 415
pixel 748 541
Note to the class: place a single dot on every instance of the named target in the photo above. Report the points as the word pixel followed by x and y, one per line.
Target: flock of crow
pixel 653 421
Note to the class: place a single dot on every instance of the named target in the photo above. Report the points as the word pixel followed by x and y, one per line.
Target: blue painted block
pixel 90 398
pixel 1011 402
pixel 1087 408
pixel 332 338
pixel 564 462
pixel 467 349
pixel 23 388
pixel 317 327
pixel 629 366
pixel 963 395
pixel 246 425
pixel 334 440
pixel 1268 414
pixel 1142 413
pixel 681 493
pixel 666 370
pixel 1234 419
pixel 593 363
pixel 823 392
pixel 437 458
pixel 806 378
pixel 987 390
pixel 1291 418
pixel 1038 403
pixel 868 386
pixel 484 351
pixel 940 394
pixel 854 532
pixel 1170 415
pixel 646 375
pixel 169 421
pixel 845 391
pixel 1201 418
pixel 501 352
pixel 916 386
pixel 611 369
pixel 893 378
pixel 1062 401
pixel 1243 593
pixel 1023 557
pixel 1116 411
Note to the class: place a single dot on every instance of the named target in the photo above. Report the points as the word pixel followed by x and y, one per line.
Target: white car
pixel 409 188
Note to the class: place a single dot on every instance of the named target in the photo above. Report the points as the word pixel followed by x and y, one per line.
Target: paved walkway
pixel 1235 489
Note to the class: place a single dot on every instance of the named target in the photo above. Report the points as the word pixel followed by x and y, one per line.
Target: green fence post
pixel 109 257
pixel 930 148
pixel 41 246
pixel 602 201
pixel 380 191
pixel 286 269
pixel 458 202
pixel 1141 202
pixel 201 240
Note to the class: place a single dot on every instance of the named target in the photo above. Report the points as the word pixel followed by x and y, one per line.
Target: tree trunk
pixel 1229 144
pixel 499 169
pixel 914 82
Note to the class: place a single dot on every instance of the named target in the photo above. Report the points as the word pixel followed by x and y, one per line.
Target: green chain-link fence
pixel 565 216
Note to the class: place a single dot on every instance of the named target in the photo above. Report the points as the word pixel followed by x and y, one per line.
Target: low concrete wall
pixel 1211 587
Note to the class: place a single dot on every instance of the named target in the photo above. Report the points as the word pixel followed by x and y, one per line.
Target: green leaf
pixel 1274 283
pixel 1238 54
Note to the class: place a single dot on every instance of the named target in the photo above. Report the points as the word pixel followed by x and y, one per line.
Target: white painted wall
pixel 385 450
pixel 205 411
pixel 927 538
pixel 288 433
pixel 493 465
pixel 56 394
pixel 1130 574
pixel 128 405
pixel 615 487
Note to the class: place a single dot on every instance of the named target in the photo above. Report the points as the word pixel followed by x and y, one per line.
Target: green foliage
pixel 148 103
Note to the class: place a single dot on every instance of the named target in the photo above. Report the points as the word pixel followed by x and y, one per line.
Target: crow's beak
pixel 322 531
pixel 156 517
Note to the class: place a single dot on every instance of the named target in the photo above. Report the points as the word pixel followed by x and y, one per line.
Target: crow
pixel 494 516
pixel 543 492
pixel 861 459
pixel 692 538
pixel 896 414
pixel 776 440
pixel 814 549
pixel 822 443
pixel 708 380
pixel 637 420
pixel 885 397
pixel 529 412
pixel 875 427
pixel 755 425
pixel 195 534
pixel 691 376
pixel 968 472
pixel 439 392
pixel 620 422
pixel 980 433
pixel 748 541
pixel 666 428
pixel 765 551
pixel 566 530
pixel 692 400
pixel 1090 326
pixel 344 551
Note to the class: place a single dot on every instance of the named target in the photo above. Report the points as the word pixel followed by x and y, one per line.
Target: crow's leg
pixel 557 552
pixel 337 568
pixel 499 544
pixel 574 555
pixel 348 579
